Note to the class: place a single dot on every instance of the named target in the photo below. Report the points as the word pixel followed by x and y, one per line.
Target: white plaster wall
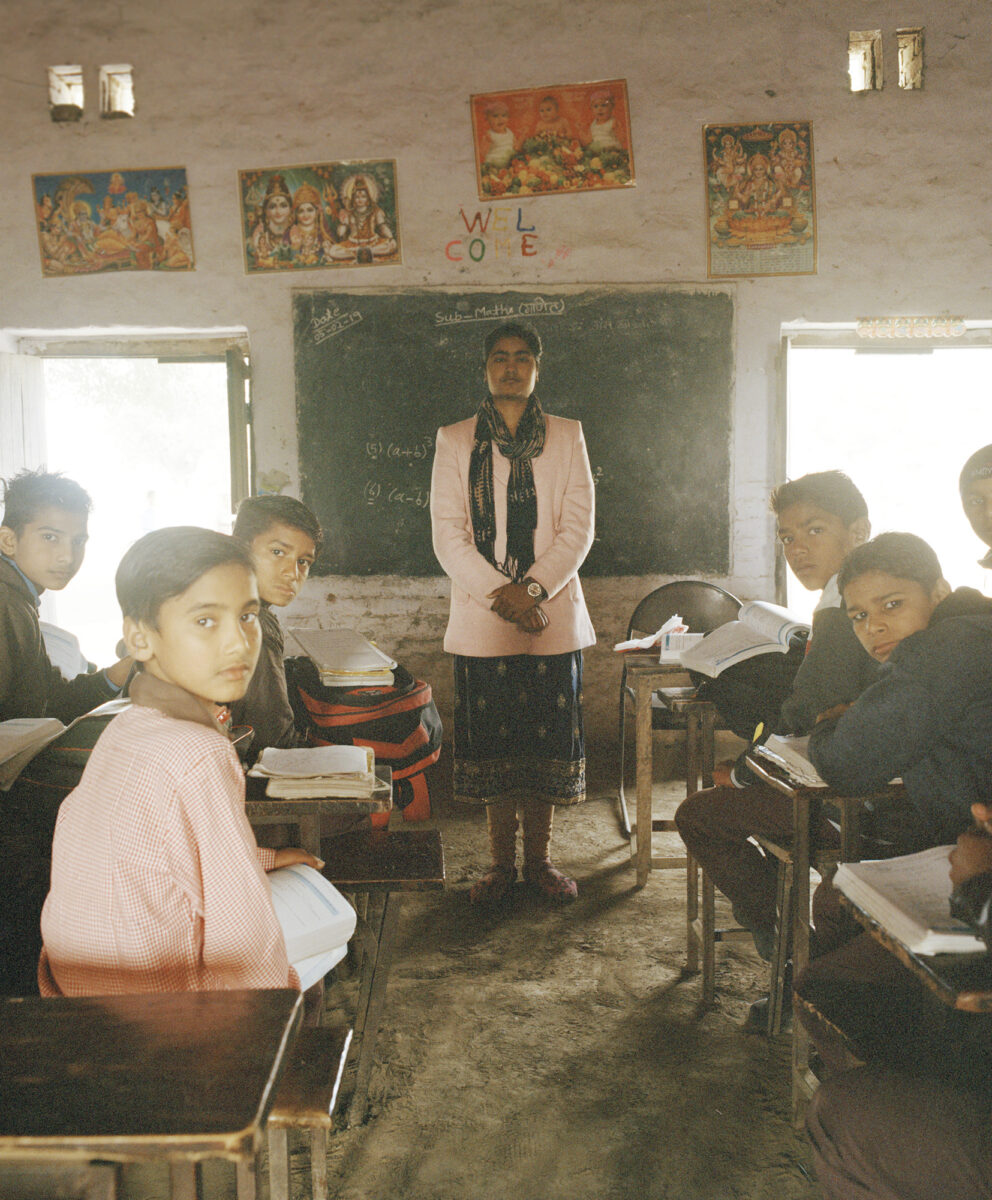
pixel 901 179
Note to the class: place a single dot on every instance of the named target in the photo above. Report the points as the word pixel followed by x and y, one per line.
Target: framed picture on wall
pixel 128 220
pixel 760 201
pixel 552 140
pixel 323 215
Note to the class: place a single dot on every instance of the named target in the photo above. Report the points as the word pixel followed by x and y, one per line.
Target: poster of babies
pixel 326 215
pixel 542 141
pixel 126 220
pixel 761 207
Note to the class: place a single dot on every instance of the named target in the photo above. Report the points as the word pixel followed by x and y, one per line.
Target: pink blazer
pixel 564 533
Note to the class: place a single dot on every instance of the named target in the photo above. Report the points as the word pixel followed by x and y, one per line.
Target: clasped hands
pixel 512 603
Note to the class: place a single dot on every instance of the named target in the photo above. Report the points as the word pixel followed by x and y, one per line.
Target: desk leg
pixel 371 1001
pixel 643 690
pixel 707 749
pixel 801 1084
pixel 184 1181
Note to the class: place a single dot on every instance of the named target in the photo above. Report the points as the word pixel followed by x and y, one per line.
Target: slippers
pixel 550 882
pixel 494 887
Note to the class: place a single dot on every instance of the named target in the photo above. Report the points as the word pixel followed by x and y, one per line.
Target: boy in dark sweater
pixel 284 538
pixel 976 497
pixel 42 543
pixel 820 518
pixel 928 720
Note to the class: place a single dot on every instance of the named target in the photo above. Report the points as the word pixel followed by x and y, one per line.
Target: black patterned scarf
pixel 521 498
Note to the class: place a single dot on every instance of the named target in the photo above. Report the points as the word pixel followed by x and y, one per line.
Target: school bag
pixel 752 692
pixel 400 723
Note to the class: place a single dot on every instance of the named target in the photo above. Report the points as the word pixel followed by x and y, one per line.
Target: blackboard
pixel 648 371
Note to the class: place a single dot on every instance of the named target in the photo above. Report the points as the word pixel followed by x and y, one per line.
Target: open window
pixel 158 431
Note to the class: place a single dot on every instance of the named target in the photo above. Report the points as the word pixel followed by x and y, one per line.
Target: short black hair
pixel 28 492
pixel 979 466
pixel 257 514
pixel 903 555
pixel 518 330
pixel 833 491
pixel 165 562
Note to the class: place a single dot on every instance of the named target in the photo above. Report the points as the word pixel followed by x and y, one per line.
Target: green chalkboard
pixel 648 371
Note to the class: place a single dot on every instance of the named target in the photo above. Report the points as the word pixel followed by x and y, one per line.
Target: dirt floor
pixel 559 1054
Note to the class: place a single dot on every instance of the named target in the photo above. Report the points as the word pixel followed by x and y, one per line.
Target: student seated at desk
pixel 820 518
pixel 928 720
pixel 919 1127
pixel 976 497
pixel 42 543
pixel 284 538
pixel 157 882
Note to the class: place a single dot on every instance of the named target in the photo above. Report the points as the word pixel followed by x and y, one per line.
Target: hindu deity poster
pixel 761 208
pixel 325 215
pixel 542 141
pixel 127 220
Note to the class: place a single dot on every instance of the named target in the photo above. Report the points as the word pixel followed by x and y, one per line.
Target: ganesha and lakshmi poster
pixel 324 215
pixel 761 207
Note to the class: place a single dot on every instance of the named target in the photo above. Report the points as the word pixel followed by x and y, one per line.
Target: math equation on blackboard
pixel 375 492
pixel 394 451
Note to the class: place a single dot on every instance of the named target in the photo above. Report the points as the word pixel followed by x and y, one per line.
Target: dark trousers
pixel 716 824
pixel 881 1134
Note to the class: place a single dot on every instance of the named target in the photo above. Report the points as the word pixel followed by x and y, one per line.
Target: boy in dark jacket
pixel 820 518
pixel 284 538
pixel 928 720
pixel 42 543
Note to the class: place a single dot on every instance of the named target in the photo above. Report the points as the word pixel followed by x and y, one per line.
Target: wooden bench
pixel 306 1097
pixel 379 865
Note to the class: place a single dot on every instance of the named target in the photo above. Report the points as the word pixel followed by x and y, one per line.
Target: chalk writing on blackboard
pixel 487 312
pixel 332 322
pixel 376 493
pixel 419 450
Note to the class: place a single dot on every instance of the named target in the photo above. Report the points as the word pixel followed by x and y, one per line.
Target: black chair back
pixel 702 606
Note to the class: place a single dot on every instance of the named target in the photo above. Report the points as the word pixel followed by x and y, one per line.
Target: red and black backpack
pixel 401 724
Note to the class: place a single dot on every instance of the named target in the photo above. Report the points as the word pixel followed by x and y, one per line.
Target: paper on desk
pixel 674 624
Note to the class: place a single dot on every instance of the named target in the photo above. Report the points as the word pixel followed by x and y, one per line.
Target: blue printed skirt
pixel 518 728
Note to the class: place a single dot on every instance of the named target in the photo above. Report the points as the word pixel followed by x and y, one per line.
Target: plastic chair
pixel 703 607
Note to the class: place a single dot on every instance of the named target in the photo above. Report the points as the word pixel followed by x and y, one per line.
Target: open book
pixel 317 921
pixel 790 754
pixel 759 629
pixel 343 658
pixel 909 898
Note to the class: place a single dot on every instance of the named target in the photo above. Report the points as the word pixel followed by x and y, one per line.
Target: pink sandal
pixel 494 887
pixel 550 882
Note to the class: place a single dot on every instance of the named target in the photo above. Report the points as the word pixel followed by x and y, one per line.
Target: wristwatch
pixel 535 590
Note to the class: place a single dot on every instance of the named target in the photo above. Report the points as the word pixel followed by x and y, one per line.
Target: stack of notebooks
pixel 317 921
pixel 345 771
pixel 343 658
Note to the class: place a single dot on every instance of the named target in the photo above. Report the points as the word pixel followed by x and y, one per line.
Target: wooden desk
pixel 305 812
pixel 962 981
pixel 179 1076
pixel 645 675
pixel 807 806
pixel 381 866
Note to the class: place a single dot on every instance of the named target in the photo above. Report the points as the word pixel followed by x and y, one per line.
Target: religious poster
pixel 761 209
pixel 552 140
pixel 127 220
pixel 326 215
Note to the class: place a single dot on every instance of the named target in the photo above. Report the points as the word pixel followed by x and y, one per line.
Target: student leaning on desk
pixel 157 882
pixel 928 720
pixel 921 1127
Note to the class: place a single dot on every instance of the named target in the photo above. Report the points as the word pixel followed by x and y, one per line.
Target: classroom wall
pixel 901 182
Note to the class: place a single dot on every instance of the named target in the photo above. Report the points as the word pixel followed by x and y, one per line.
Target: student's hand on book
pixel 292 855
pixel 971 856
pixel 534 620
pixel 831 713
pixel 118 673
pixel 983 816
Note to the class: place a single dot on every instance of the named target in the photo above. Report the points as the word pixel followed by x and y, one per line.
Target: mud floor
pixel 543 1054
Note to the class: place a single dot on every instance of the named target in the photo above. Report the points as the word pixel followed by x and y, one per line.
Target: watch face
pixel 534 589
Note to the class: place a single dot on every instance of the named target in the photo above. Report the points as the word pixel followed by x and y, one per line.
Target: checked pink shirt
pixel 157 882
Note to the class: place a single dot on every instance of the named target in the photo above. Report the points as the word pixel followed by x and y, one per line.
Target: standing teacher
pixel 512 508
